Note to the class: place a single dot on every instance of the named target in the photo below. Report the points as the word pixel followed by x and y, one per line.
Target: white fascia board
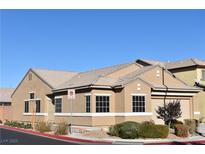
pixel 172 94
pixel 109 114
pixel 37 114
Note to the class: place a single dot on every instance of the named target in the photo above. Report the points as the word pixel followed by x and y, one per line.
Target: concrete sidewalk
pixel 116 140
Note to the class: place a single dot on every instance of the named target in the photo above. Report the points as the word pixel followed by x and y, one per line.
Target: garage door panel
pixel 185 108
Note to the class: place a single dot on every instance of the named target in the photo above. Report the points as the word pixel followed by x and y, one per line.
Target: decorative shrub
pixel 1 122
pixel 175 122
pixel 126 130
pixel 43 127
pixel 151 122
pixel 129 130
pixel 192 124
pixel 181 130
pixel 153 131
pixel 28 126
pixel 62 129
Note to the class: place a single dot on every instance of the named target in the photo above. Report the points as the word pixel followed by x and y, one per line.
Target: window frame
pixel 58 107
pixel 26 106
pixel 87 104
pixel 203 75
pixel 138 103
pixel 38 108
pixel 31 94
pixel 102 103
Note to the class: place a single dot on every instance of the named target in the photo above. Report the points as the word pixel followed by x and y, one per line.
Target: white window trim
pixel 106 114
pixel 88 94
pixel 137 94
pixel 196 112
pixel 56 97
pixel 37 114
pixel 35 99
pixel 103 94
pixel 32 92
pixel 172 94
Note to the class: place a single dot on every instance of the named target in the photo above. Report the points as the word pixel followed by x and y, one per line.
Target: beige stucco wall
pixel 190 75
pixel 6 113
pixel 22 93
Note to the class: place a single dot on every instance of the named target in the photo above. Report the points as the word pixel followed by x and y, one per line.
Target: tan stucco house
pixel 191 71
pixel 5 104
pixel 103 97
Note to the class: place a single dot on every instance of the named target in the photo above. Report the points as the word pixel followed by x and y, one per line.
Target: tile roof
pixel 5 94
pixel 176 64
pixel 97 77
pixel 54 78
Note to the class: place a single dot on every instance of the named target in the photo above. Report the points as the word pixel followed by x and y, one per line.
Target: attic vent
pixel 30 76
pixel 138 86
pixel 158 73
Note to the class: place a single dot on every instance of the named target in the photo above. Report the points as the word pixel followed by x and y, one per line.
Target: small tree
pixel 169 112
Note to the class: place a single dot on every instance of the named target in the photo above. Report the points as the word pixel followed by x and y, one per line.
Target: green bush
pixel 125 130
pixel 153 131
pixel 175 122
pixel 62 129
pixel 129 130
pixel 28 126
pixel 43 127
pixel 181 130
pixel 192 124
pixel 148 123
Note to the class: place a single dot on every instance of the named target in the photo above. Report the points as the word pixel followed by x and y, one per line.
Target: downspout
pixel 163 83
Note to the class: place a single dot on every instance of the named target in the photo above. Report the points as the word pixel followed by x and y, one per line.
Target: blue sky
pixel 80 40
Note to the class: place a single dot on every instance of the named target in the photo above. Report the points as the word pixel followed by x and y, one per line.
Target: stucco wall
pixel 6 113
pixel 22 93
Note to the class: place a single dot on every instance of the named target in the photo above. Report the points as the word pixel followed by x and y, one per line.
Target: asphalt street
pixel 8 137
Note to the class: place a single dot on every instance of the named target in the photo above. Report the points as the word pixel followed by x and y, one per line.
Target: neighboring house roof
pixel 5 94
pixel 97 77
pixel 54 78
pixel 176 64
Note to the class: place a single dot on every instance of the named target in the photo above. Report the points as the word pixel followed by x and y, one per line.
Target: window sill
pixel 36 114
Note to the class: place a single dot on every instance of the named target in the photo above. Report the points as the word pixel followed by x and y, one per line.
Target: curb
pixel 62 138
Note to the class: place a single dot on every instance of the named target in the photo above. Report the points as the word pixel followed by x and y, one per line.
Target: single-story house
pixel 5 104
pixel 103 97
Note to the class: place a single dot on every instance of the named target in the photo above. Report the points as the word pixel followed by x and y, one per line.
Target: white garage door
pixel 185 107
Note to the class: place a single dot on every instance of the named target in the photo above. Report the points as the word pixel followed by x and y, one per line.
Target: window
pixel 203 75
pixel 102 103
pixel 38 106
pixel 32 95
pixel 138 103
pixel 30 76
pixel 58 105
pixel 87 103
pixel 26 107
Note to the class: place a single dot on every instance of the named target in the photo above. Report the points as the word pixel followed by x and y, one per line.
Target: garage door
pixel 185 107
